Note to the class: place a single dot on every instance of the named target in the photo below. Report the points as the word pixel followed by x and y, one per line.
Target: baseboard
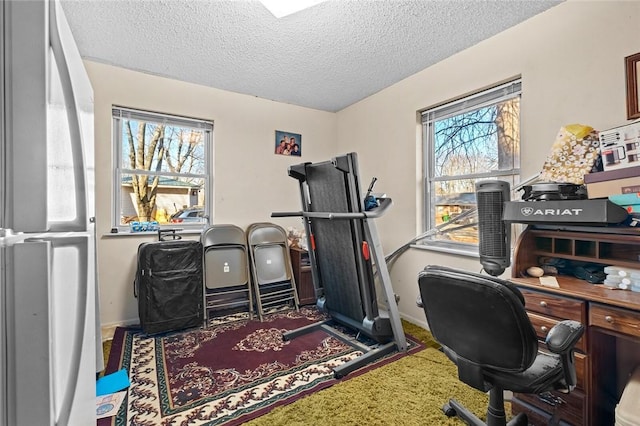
pixel 108 330
pixel 417 321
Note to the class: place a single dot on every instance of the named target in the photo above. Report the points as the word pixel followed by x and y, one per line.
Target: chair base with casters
pixel 495 413
pixel 483 328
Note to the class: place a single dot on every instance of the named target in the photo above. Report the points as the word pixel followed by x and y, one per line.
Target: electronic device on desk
pixel 597 212
pixel 550 191
pixel 557 204
pixel 494 234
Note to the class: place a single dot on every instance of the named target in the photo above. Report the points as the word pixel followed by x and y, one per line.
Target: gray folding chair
pixel 271 270
pixel 227 284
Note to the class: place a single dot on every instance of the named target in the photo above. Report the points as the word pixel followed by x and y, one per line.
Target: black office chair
pixel 482 325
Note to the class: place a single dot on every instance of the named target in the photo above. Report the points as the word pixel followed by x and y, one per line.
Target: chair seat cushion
pixel 544 374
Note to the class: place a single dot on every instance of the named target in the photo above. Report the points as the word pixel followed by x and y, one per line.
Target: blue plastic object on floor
pixel 112 383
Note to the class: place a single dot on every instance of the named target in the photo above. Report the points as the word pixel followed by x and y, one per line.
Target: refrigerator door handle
pixel 49 177
pixel 29 361
pixel 50 364
pixel 62 43
pixel 80 323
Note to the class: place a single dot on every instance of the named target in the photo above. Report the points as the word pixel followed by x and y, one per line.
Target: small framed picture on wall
pixel 288 143
pixel 632 65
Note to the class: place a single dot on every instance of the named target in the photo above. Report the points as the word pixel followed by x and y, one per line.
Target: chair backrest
pixel 225 256
pixel 269 251
pixel 481 319
pixel 223 235
pixel 266 233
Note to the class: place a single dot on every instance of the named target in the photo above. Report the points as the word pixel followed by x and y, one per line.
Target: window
pixel 472 138
pixel 162 169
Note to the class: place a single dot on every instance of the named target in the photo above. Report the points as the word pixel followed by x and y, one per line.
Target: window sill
pixel 126 234
pixel 471 252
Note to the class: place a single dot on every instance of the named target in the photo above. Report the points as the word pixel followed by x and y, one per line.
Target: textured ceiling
pixel 326 57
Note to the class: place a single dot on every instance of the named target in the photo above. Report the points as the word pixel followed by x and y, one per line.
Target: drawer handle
pixel 544 328
pixel 551 399
pixel 609 319
pixel 543 304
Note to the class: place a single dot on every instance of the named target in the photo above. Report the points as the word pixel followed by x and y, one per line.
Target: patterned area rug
pixel 228 373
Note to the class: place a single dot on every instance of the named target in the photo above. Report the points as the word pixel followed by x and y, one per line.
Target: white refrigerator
pixel 49 324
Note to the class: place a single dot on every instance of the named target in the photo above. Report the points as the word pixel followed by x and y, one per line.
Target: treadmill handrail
pixel 374 213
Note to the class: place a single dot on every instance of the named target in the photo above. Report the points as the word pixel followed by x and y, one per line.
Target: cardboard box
pixel 612 174
pixel 620 146
pixel 606 188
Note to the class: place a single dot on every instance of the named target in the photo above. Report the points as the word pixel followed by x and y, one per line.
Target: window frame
pixel 480 99
pixel 118 115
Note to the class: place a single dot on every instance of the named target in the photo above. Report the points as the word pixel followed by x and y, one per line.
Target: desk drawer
pixel 580 362
pixel 555 306
pixel 615 319
pixel 572 411
pixel 535 417
pixel 543 324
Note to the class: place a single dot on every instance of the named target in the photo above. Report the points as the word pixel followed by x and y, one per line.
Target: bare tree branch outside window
pixel 473 144
pixel 158 155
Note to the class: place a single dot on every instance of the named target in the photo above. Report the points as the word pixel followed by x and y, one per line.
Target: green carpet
pixel 410 391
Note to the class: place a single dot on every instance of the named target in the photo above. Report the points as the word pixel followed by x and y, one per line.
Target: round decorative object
pixel 534 271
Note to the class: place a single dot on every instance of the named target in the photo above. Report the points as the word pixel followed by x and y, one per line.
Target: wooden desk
pixel 610 349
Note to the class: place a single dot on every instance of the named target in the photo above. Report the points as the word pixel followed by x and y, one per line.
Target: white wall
pixel 250 181
pixel 571 59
